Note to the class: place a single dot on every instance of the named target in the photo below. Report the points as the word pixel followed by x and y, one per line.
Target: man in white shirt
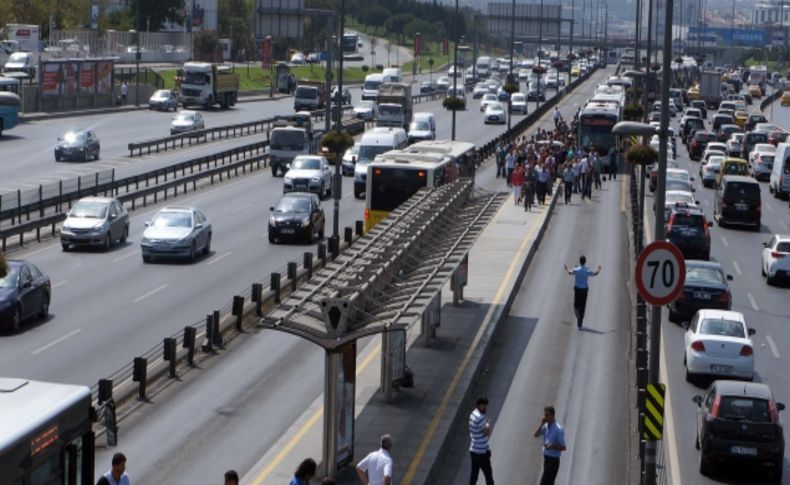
pixel 376 468
pixel 117 474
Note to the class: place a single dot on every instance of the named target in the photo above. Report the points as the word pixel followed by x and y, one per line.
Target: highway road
pixel 765 308
pixel 245 402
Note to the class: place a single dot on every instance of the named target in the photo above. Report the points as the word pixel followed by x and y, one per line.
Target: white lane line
pixel 59 283
pixel 239 209
pixel 56 341
pixel 784 226
pixel 753 302
pixel 128 255
pixel 737 267
pixel 218 258
pixel 724 241
pixel 772 344
pixel 143 297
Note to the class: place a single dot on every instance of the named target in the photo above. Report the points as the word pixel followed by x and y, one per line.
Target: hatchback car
pixel 518 103
pixel 737 201
pixel 163 100
pixel 176 231
pixel 738 423
pixel 486 100
pixel 25 292
pixel 365 110
pixel 687 228
pixel 706 286
pixel 95 221
pixel 479 90
pixel 718 343
pixel 309 173
pixel 298 215
pixel 761 162
pixel 534 93
pixel 495 113
pixel 186 121
pixel 725 131
pixel 710 171
pixel 78 145
pixel 776 258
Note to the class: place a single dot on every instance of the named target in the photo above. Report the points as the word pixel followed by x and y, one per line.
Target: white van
pixel 392 75
pixel 426 116
pixel 370 89
pixel 422 127
pixel 483 67
pixel 374 142
pixel 779 183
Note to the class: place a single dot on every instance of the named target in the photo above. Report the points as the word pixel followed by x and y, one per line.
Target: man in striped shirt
pixel 479 431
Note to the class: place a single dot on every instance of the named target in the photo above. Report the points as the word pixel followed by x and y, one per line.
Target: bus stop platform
pixel 421 419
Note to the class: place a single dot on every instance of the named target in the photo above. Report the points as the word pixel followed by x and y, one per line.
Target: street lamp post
pixel 455 63
pixel 137 58
pixel 512 54
pixel 540 49
pixel 648 76
pixel 337 180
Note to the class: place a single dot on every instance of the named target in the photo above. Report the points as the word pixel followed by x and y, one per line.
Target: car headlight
pixel 288 180
pixel 305 222
pixel 145 241
pixel 316 179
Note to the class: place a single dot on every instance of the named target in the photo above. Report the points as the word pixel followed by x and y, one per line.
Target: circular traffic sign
pixel 660 273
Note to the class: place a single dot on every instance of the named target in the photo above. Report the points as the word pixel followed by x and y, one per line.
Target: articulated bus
pixel 393 177
pixel 596 121
pixel 46 433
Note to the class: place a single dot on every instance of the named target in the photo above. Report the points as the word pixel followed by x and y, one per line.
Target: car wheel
pixel 16 322
pixel 207 249
pixel 704 466
pixel 107 242
pixel 321 231
pixel 147 258
pixel 97 154
pixel 57 157
pixel 125 235
pixel 672 317
pixel 696 441
pixel 44 311
pixel 193 252
pixel 310 234
pixel 274 171
pixel 271 238
pixel 771 280
pixel 65 247
pixel 776 475
pixel 322 192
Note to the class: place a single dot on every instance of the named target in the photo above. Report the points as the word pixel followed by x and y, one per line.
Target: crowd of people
pixel 531 164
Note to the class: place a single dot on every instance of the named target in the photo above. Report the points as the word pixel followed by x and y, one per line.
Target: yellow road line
pixel 622 191
pixel 418 456
pixel 297 437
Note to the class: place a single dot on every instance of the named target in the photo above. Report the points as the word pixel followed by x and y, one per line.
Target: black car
pixel 698 142
pixel 752 138
pixel 706 286
pixel 298 215
pixel 687 229
pixel 738 423
pixel 77 145
pixel 738 201
pixel 722 119
pixel 753 119
pixel 688 124
pixel 700 105
pixel 726 131
pixel 25 292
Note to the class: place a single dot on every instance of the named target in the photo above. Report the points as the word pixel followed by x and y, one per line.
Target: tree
pixel 418 25
pixel 374 15
pixel 206 44
pixel 396 23
pixel 233 21
pixel 158 12
pixel 641 155
pixel 633 112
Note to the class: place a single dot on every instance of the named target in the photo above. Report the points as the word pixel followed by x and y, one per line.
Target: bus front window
pixel 393 186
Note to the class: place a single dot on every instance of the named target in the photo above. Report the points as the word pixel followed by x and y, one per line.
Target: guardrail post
pixel 322 254
pixel 139 375
pixel 238 310
pixel 40 201
pixel 215 331
pixel 208 343
pixel 292 274
pixel 308 263
pixel 257 293
pixel 334 247
pixel 189 343
pixel 169 345
pixel 275 286
pixel 105 390
pixel 348 235
pixel 360 228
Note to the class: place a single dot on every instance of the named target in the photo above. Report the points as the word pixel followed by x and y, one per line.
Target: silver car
pixel 163 100
pixel 176 231
pixel 365 110
pixel 518 103
pixel 95 221
pixel 495 113
pixel 186 121
pixel 309 173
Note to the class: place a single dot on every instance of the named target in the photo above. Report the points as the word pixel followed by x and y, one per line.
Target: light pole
pixel 137 57
pixel 540 49
pixel 512 54
pixel 455 63
pixel 648 77
pixel 337 180
pixel 637 30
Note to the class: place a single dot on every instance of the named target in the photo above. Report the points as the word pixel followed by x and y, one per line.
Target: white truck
pixel 394 105
pixel 290 136
pixel 710 88
pixel 758 75
pixel 207 84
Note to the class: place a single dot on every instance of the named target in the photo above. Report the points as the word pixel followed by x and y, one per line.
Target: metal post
pixel 328 75
pixel 337 180
pixel 655 324
pixel 570 46
pixel 647 57
pixel 386 365
pixel 137 57
pixel 512 53
pixel 637 31
pixel 331 369
pixel 455 62
pixel 540 48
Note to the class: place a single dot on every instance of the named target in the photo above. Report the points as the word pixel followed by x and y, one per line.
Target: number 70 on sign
pixel 660 273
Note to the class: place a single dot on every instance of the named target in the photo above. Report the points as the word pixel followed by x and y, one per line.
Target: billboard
pixel 279 19
pixel 528 19
pixel 87 77
pixel 344 404
pixel 50 76
pixel 728 36
pixel 69 78
pixel 76 78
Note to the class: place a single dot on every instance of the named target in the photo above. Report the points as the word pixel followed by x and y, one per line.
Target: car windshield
pixel 703 275
pixel 743 408
pixel 369 152
pixel 162 93
pixel 89 208
pixel 419 125
pixel 287 140
pixel 518 98
pixel 198 78
pixel 185 117
pixel 9 280
pixel 390 110
pixel 306 164
pixel 172 219
pixel 74 137
pixel 674 197
pixel 489 97
pixel 767 160
pixel 306 92
pixel 371 85
pixel 688 220
pixel 293 204
pixel 18 57
pixel 720 326
pixel 736 169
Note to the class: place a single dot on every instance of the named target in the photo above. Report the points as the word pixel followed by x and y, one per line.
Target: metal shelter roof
pixel 386 279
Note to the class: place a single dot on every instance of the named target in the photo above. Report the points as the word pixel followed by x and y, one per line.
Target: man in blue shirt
pixel 117 474
pixel 580 275
pixel 553 437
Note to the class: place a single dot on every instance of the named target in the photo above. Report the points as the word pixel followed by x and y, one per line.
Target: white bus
pixel 596 121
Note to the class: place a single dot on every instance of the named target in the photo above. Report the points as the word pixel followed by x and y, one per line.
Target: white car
pixel 719 343
pixel 551 81
pixel 486 100
pixel 761 149
pixel 443 83
pixel 673 197
pixel 298 58
pixel 365 110
pixel 776 258
pixel 349 160
pixel 493 85
pixel 518 103
pixel 309 173
pixel 479 90
pixel 495 113
pixel 186 121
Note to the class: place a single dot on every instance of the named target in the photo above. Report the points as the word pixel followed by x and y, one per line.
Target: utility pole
pixel 337 181
pixel 137 57
pixel 637 30
pixel 455 63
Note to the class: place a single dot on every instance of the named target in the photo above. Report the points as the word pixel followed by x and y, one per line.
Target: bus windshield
pixel 596 130
pixel 393 186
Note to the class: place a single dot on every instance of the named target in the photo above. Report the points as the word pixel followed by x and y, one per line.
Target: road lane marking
pixel 297 437
pixel 56 341
pixel 143 297
pixel 736 266
pixel 129 255
pixel 753 302
pixel 724 241
pixel 239 209
pixel 59 283
pixel 218 258
pixel 772 344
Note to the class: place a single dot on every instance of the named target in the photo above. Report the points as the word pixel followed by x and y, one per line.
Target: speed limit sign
pixel 660 273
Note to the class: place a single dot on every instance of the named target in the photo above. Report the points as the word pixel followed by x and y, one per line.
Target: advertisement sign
pixel 344 406
pixel 87 77
pixel 445 46
pixel 266 52
pixel 417 45
pixel 94 17
pixel 397 351
pixel 50 73
pixel 104 77
pixel 69 78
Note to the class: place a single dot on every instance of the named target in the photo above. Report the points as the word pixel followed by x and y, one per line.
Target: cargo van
pixel 779 183
pixel 375 142
pixel 370 89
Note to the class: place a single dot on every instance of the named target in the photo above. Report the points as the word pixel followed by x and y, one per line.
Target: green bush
pixel 510 88
pixel 453 104
pixel 337 143
pixel 3 265
pixel 641 155
pixel 633 112
pixel 365 68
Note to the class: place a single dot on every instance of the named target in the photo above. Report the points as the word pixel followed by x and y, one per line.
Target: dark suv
pixel 698 142
pixel 687 229
pixel 738 422
pixel 737 201
pixel 688 125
